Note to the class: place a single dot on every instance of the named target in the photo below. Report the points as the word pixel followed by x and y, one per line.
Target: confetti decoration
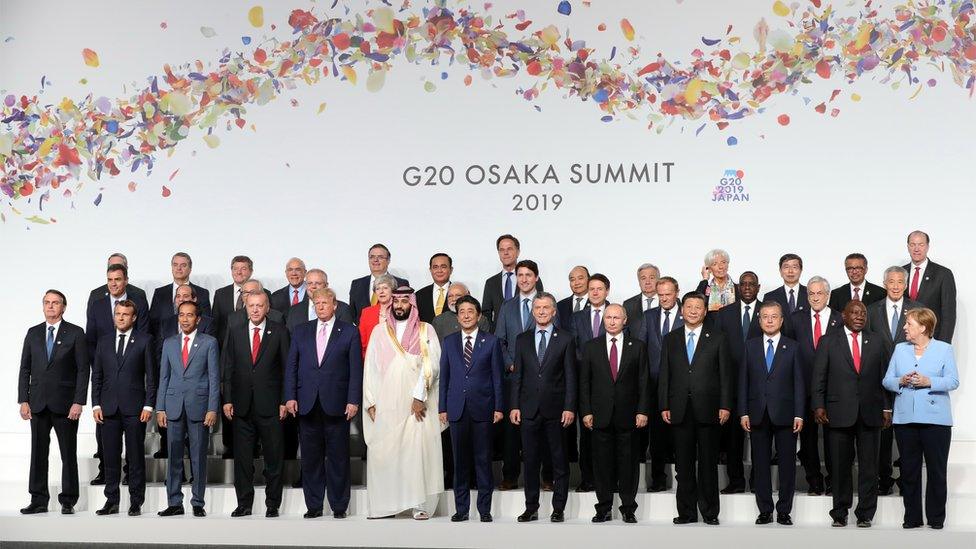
pixel 627 29
pixel 565 7
pixel 90 57
pixel 256 16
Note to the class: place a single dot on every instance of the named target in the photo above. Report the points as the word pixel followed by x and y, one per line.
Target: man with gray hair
pixel 446 323
pixel 294 292
pixel 647 277
pixel 316 279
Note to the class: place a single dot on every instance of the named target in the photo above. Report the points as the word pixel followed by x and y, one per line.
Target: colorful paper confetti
pixel 90 57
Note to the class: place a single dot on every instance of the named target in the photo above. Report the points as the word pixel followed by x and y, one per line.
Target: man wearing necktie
pixel 362 293
pixel 791 295
pixel 849 397
pixel 695 397
pixel 647 277
pixel 502 286
pixel 856 267
pixel 294 292
pixel 931 284
pixel 432 298
pixel 579 277
pixel 324 388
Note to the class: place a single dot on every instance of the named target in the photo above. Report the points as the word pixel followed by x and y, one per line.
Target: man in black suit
pixel 123 396
pixel 579 279
pixel 253 365
pixel 164 304
pixel 51 390
pixel 614 403
pixel 809 328
pixel 791 295
pixel 315 279
pixel 770 408
pixel 543 403
pixel 497 290
pixel 647 277
pixel 739 321
pixel 695 397
pixel 931 285
pixel 230 298
pixel 856 266
pixel 294 292
pixel 361 293
pixel 432 298
pixel 134 292
pixel 848 396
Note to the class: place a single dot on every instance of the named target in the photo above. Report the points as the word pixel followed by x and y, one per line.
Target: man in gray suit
pixel 186 404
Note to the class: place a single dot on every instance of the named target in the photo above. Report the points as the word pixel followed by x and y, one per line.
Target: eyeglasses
pixel 858 268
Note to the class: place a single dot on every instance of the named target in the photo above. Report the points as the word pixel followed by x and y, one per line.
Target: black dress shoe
pixel 547 486
pixel 172 510
pixel 785 520
pixel 839 523
pixel 557 516
pixel 199 511
pixel 486 518
pixel 108 509
pixel 657 487
pixel 630 518
pixel 241 512
pixel 863 523
pixel 730 489
pixel 458 517
pixel 313 513
pixel 910 525
pixel 297 483
pixel 815 490
pixel 764 518
pixel 67 509
pixel 885 490
pixel 684 520
pixel 160 454
pixel 935 526
pixel 602 517
pixel 339 515
pixel 507 485
pixel 33 509
pixel 711 521
pixel 271 513
pixel 528 516
pixel 584 487
pixel 99 480
pixel 135 510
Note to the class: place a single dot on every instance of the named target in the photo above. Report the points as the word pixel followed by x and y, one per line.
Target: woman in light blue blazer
pixel 921 373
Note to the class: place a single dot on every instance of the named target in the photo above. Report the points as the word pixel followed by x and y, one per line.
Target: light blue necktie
pixel 691 346
pixel 526 314
pixel 769 355
pixel 894 323
pixel 508 286
pixel 50 341
pixel 542 345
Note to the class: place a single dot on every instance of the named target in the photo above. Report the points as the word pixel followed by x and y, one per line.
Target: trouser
pixel 248 429
pixel 616 467
pixel 918 441
pixel 325 459
pixel 66 431
pixel 696 461
pixel 843 441
pixel 180 430
pixel 762 437
pixel 289 428
pixel 114 429
pixel 471 444
pixel 885 466
pixel 810 451
pixel 660 441
pixel 539 433
pixel 585 450
pixel 733 441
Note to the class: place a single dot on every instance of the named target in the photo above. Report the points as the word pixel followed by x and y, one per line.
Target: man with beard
pixel 447 323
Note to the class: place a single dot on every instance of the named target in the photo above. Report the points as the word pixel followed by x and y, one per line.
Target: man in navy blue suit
pixel 324 388
pixel 471 399
pixel 164 303
pixel 791 295
pixel 771 408
pixel 135 294
pixel 123 396
pixel 579 279
pixel 360 292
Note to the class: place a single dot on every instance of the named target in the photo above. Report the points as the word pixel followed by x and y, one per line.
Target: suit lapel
pixel 477 345
pixel 57 343
pixel 777 357
pixel 334 333
pixel 130 341
pixel 622 358
pixel 265 343
pixel 550 348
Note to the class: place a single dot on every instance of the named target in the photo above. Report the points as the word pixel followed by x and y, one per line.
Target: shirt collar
pixel 57 325
pixel 251 326
pixel 446 286
pixel 600 308
pixel 922 265
pixel 529 296
pixel 892 303
pixel 696 331
pixel 126 333
pixel 326 323
pixel 775 337
pixel 849 332
pixel 547 329
pixel 795 288
pixel 474 335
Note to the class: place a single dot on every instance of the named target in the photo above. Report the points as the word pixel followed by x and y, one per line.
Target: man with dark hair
pixel 502 286
pixel 579 278
pixel 791 295
pixel 135 294
pixel 432 298
pixel 361 294
pixel 230 298
pixel 164 304
pixel 932 285
pixel 856 267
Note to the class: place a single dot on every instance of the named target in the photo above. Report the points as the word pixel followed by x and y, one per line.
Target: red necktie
pixel 186 351
pixel 913 292
pixel 856 352
pixel 817 330
pixel 294 298
pixel 255 345
pixel 613 358
pixel 857 294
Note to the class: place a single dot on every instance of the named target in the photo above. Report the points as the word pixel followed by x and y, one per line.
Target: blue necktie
pixel 691 346
pixel 894 323
pixel 50 341
pixel 542 345
pixel 667 323
pixel 508 286
pixel 792 302
pixel 769 355
pixel 745 323
pixel 526 314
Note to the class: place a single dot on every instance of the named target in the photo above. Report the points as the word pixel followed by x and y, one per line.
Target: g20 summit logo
pixel 730 188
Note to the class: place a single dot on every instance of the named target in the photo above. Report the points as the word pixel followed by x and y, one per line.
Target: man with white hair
pixel 647 277
pixel 294 292
pixel 447 323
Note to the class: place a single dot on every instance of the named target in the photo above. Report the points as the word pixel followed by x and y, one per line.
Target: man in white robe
pixel 402 432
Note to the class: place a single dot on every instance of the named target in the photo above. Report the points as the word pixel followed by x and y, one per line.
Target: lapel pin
pixel 629 343
pixel 482 340
pixel 268 332
pixel 706 334
pixel 555 334
pixel 338 329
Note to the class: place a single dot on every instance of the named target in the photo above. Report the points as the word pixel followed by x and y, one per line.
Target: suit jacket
pixel 194 389
pixel 802 333
pixel 582 328
pixel 779 295
pixel 238 319
pixel 880 323
pixel 161 306
pixel 223 307
pixel 564 308
pixel 478 388
pixel 729 320
pixel 101 319
pixel 509 325
pixel 255 385
pixel 299 313
pixel 779 391
pixel 446 324
pixel 634 307
pixel 426 301
pixel 612 401
pixel 335 381
pixel 494 296
pixel 58 382
pixel 360 293
pixel 281 299
pixel 133 293
pixel 923 404
pixel 125 386
pixel 653 338
pixel 845 394
pixel 937 291
pixel 548 388
pixel 706 384
pixel 171 327
pixel 840 297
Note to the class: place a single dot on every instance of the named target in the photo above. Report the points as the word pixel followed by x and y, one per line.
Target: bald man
pixel 294 292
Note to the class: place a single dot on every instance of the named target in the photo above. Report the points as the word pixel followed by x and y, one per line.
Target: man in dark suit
pixel 647 277
pixel 135 294
pixel 588 324
pixel 447 322
pixel 324 388
pixel 294 292
pixel 502 286
pixel 52 389
pixel 809 328
pixel 432 298
pixel 931 285
pixel 771 408
pixel 659 322
pixel 471 400
pixel 579 279
pixel 230 298
pixel 163 303
pixel 739 321
pixel 886 318
pixel 695 397
pixel 315 279
pixel 856 266
pixel 253 365
pixel 361 293
pixel 848 396
pixel 123 396
pixel 187 401
pixel 791 295
pixel 543 402
pixel 614 402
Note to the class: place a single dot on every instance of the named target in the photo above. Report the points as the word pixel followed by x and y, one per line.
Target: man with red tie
pixel 294 292
pixel 932 285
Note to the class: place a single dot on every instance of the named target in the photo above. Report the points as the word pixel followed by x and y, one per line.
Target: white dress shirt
pixel 850 342
pixel 189 344
pixel 649 302
pixel 824 320
pixel 464 337
pixel 696 331
pixel 125 345
pixel 860 290
pixel 112 300
pixel 620 346
pixel 594 311
pixel 522 297
pixel 250 332
pixel 752 309
pixel 891 307
pixel 921 273
pixel 674 315
pixel 57 329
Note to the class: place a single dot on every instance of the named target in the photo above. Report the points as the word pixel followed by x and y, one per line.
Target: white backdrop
pixel 325 186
